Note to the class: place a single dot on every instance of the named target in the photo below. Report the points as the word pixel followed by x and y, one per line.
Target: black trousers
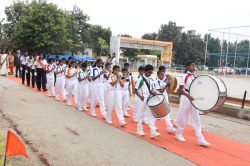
pixel 28 76
pixel 33 79
pixel 41 78
pixel 18 70
pixel 23 73
pixel 54 79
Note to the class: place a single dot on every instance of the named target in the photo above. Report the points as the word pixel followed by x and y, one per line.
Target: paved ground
pixel 56 134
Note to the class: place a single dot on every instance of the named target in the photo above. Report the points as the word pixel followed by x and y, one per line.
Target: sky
pixel 136 17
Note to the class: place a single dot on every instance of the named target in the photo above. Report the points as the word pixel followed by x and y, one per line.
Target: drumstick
pixel 201 98
pixel 158 97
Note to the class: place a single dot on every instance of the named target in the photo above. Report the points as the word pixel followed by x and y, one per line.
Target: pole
pixel 243 101
pixel 4 160
pixel 218 66
pixel 247 60
pixel 235 54
pixel 227 49
pixel 206 52
pixel 221 48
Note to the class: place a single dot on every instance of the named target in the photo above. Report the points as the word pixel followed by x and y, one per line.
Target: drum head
pixel 154 100
pixel 204 87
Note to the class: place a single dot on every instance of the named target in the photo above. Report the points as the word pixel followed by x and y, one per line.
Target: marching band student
pixel 33 78
pixel 66 79
pixel 40 68
pixel 79 66
pixel 106 82
pixel 50 77
pixel 82 90
pixel 97 75
pixel 56 64
pixel 60 83
pixel 71 75
pixel 137 99
pixel 132 83
pixel 187 108
pixel 161 88
pixel 89 69
pixel 163 69
pixel 23 63
pixel 125 91
pixel 28 67
pixel 115 96
pixel 64 62
pixel 143 90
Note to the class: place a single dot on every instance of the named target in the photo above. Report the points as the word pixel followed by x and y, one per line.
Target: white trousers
pixel 125 100
pixel 60 83
pixel 186 109
pixel 97 90
pixel 82 92
pixel 115 101
pixel 90 89
pixel 106 90
pixel 135 111
pixel 141 111
pixel 50 84
pixel 66 86
pixel 168 122
pixel 178 113
pixel 72 87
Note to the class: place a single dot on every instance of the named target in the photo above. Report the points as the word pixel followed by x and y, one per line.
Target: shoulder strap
pixel 147 84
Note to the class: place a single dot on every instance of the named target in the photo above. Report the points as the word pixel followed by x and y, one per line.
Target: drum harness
pixel 147 86
pixel 192 80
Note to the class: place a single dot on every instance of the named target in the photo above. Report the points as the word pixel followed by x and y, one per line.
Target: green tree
pixel 42 27
pixel 101 47
pixel 150 36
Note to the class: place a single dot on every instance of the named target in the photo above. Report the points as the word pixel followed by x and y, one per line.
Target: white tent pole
pixel 205 53
pixel 227 52
pixel 221 48
pixel 247 60
pixel 235 53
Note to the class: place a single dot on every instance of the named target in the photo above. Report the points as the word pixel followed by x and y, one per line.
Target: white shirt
pixel 141 86
pixel 159 84
pixel 48 68
pixel 187 79
pixel 96 71
pixel 70 72
pixel 106 80
pixel 126 84
pixel 117 86
pixel 58 69
pixel 82 74
pixel 38 65
pixel 24 60
pixel 29 62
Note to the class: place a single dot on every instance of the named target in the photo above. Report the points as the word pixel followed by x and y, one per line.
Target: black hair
pixel 162 68
pixel 188 63
pixel 67 61
pixel 63 59
pixel 57 56
pixel 97 61
pixel 148 67
pixel 71 63
pixel 141 68
pixel 60 60
pixel 126 64
pixel 84 65
pixel 115 67
pixel 50 59
pixel 124 69
pixel 25 51
pixel 34 55
pixel 106 65
pixel 159 72
pixel 109 55
pixel 30 54
pixel 70 58
pixel 114 53
pixel 48 56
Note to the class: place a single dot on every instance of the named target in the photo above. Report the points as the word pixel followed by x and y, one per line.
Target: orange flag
pixel 14 146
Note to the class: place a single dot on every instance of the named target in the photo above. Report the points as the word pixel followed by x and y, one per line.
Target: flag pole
pixel 4 160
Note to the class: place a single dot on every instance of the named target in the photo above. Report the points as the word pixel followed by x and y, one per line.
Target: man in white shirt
pixel 23 63
pixel 40 71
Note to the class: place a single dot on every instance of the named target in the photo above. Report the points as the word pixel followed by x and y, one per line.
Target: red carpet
pixel 222 151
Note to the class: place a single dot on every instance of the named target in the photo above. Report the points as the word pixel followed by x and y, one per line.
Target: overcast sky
pixel 136 17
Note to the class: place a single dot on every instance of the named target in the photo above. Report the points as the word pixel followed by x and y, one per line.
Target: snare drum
pixel 211 90
pixel 158 105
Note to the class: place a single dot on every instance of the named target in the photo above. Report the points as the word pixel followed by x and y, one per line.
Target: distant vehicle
pixel 224 70
pixel 243 71
pixel 202 67
pixel 237 70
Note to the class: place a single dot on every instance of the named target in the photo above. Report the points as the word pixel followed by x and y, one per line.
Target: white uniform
pixel 72 84
pixel 142 86
pixel 82 90
pixel 97 90
pixel 66 80
pixel 115 100
pixel 125 95
pixel 187 108
pixel 50 80
pixel 106 88
pixel 159 84
pixel 89 84
pixel 60 82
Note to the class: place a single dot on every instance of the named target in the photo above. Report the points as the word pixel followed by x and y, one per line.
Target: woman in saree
pixel 10 63
pixel 3 63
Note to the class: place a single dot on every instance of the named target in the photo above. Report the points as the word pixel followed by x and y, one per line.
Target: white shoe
pixel 176 124
pixel 156 128
pixel 69 104
pixel 158 118
pixel 154 134
pixel 145 121
pixel 123 124
pixel 85 109
pixel 128 109
pixel 135 120
pixel 65 99
pixel 203 143
pixel 54 95
pixel 180 138
pixel 126 114
pixel 49 95
pixel 89 102
pixel 140 133
pixel 171 130
pixel 104 116
pixel 202 127
pixel 57 99
pixel 93 115
pixel 109 121
pixel 79 109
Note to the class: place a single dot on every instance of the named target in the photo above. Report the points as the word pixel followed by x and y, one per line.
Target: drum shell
pixel 161 109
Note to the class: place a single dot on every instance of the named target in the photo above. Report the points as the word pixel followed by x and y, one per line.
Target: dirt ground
pixel 57 134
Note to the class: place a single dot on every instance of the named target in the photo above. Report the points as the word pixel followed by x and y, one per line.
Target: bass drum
pixel 158 105
pixel 211 91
